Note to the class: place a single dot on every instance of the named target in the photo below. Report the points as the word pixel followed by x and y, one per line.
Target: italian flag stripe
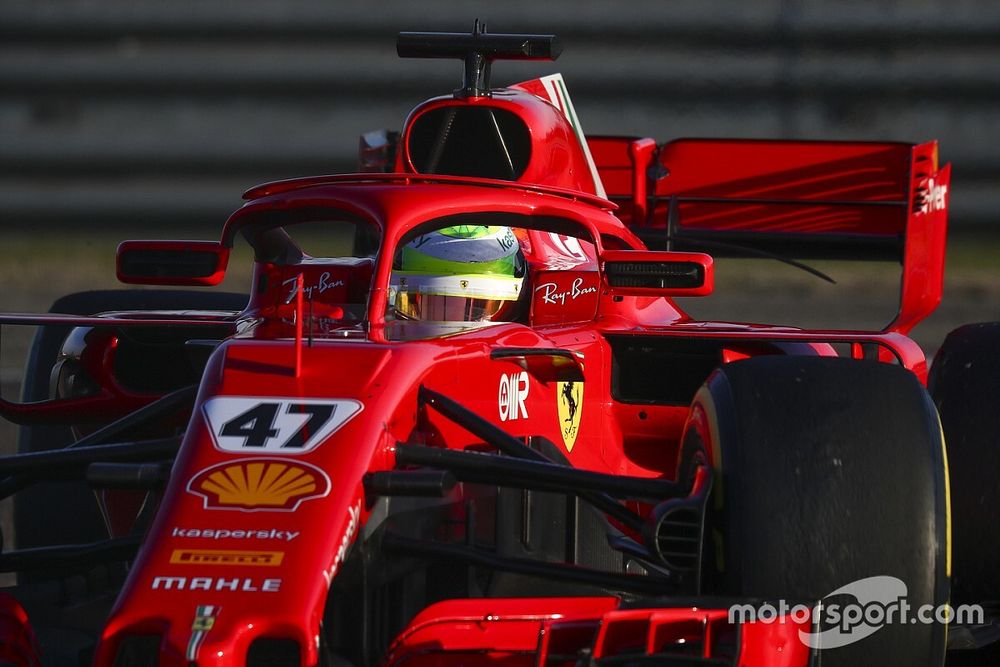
pixel 555 89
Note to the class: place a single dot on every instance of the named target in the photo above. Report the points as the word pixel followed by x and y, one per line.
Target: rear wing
pixel 800 199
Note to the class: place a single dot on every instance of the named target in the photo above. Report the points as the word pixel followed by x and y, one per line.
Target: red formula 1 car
pixel 460 419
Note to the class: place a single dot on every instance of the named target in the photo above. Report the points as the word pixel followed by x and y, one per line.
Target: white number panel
pixel 252 425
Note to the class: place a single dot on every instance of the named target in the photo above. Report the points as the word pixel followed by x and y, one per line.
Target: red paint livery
pixel 602 479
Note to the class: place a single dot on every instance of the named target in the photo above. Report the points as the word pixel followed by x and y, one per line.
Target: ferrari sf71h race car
pixel 461 420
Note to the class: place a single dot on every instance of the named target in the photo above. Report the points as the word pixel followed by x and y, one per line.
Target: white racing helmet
pixel 466 273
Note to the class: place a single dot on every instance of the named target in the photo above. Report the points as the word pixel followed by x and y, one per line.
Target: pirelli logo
pixel 226 557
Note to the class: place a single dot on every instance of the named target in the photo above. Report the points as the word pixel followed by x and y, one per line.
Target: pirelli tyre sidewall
pixel 829 471
pixel 965 385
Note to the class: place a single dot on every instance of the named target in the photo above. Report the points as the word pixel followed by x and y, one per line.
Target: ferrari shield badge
pixel 570 400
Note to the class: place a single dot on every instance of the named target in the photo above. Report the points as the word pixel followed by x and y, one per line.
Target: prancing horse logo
pixel 570 401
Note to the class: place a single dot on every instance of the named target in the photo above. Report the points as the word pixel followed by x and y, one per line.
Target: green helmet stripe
pixel 470 231
pixel 463 249
pixel 414 260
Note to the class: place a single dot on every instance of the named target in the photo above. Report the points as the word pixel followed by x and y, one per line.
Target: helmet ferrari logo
pixel 570 401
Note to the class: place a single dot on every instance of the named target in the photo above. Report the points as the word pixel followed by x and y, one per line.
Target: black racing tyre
pixel 965 384
pixel 829 471
pixel 65 513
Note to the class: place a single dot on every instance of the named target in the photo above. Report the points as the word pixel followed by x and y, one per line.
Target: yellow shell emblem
pixel 259 484
pixel 569 398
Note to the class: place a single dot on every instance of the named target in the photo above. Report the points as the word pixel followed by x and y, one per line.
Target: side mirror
pixel 377 151
pixel 658 273
pixel 172 262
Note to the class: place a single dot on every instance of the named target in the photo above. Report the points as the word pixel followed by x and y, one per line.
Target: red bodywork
pixel 18 645
pixel 554 631
pixel 245 544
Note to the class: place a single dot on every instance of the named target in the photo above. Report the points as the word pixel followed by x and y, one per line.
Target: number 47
pixel 257 425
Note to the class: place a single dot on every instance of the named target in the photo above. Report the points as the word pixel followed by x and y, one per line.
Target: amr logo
pixel 514 389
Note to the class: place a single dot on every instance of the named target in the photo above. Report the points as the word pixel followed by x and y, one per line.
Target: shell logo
pixel 252 485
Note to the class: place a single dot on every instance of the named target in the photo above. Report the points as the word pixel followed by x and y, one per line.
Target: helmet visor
pixel 441 308
pixel 465 298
